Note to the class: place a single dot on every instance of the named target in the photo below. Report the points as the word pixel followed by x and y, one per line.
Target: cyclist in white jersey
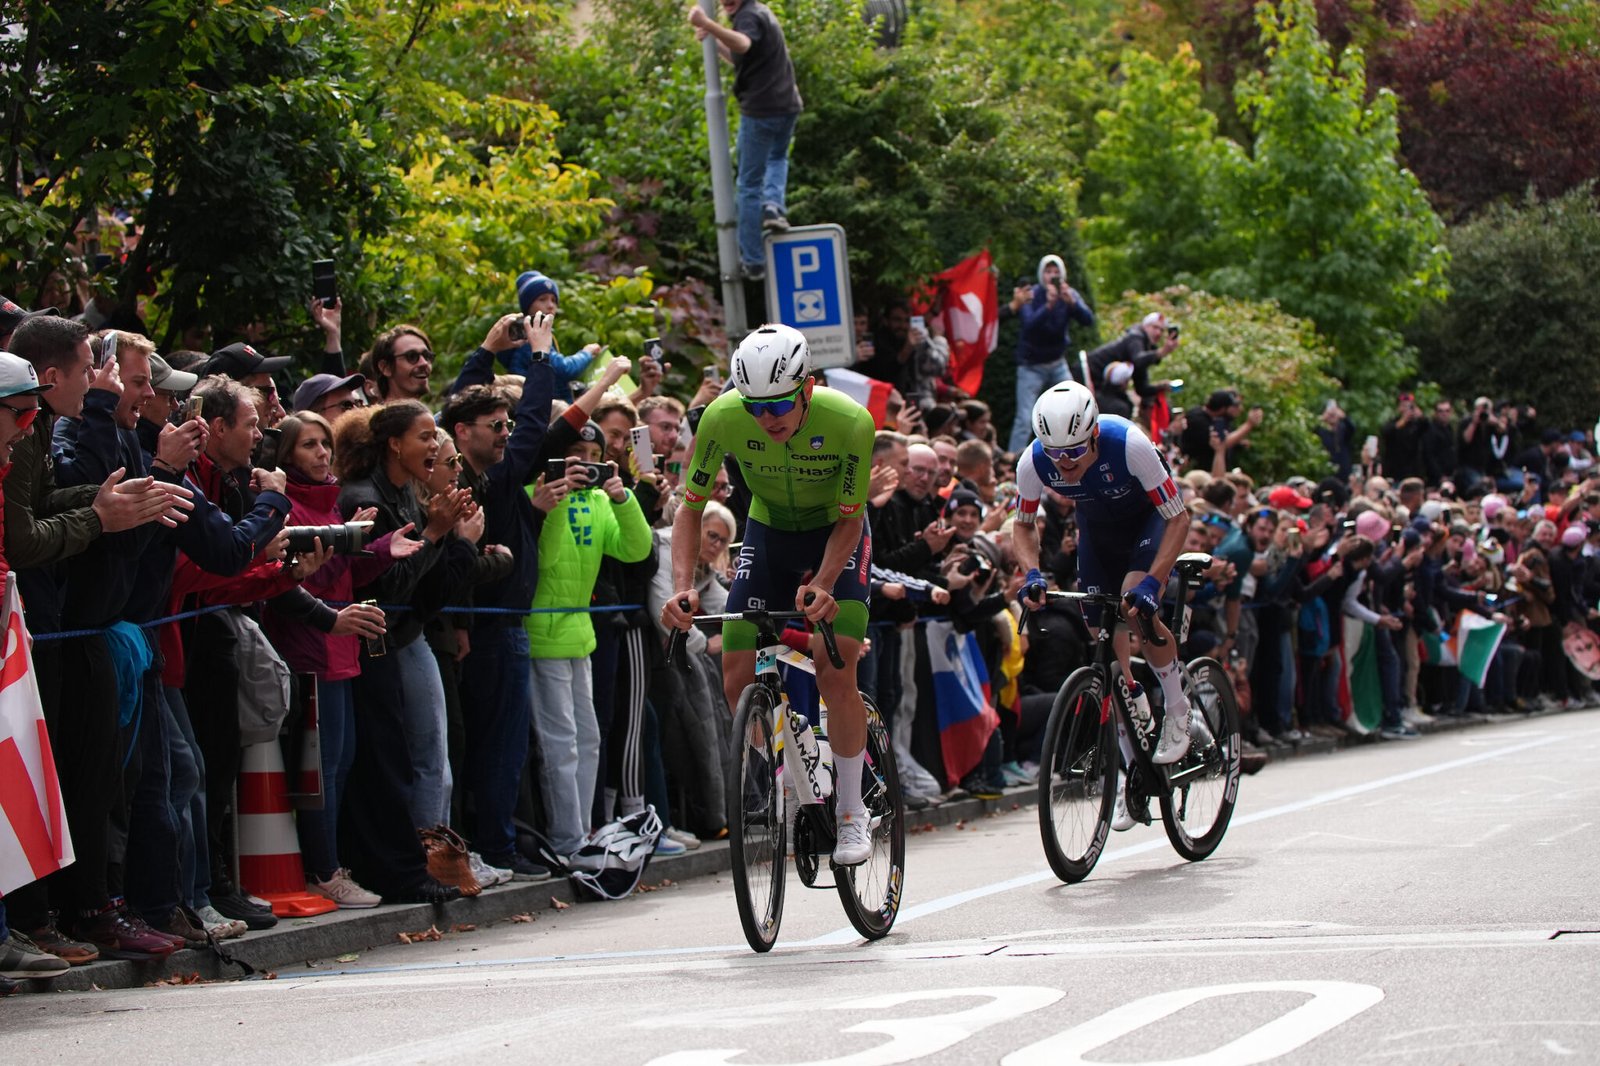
pixel 1132 524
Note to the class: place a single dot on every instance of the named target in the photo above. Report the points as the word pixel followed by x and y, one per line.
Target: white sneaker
pixel 343 890
pixel 666 846
pixel 853 844
pixel 488 876
pixel 684 837
pixel 219 925
pixel 1121 820
pixel 1174 743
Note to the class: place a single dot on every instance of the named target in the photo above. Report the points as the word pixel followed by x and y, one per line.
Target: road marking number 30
pixel 1331 1004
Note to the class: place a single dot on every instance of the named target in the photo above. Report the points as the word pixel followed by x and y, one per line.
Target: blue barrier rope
pixel 67 634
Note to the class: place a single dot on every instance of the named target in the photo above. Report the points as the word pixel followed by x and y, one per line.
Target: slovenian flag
pixel 868 392
pixel 961 694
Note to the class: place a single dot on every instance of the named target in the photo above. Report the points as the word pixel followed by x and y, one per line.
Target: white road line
pixel 935 906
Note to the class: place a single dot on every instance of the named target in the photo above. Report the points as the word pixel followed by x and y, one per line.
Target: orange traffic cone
pixel 269 850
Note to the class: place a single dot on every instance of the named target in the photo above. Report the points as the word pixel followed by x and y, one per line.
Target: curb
pixel 303 942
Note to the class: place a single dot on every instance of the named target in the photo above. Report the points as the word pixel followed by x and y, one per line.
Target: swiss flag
pixel 34 840
pixel 868 392
pixel 971 302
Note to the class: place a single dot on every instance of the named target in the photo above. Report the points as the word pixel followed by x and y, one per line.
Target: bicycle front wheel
pixel 1077 777
pixel 871 892
pixel 1205 782
pixel 755 819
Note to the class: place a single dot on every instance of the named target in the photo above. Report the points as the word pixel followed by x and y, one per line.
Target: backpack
pixel 611 862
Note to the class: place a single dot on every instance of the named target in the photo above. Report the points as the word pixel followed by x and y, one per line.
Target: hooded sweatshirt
pixel 1045 334
pixel 585 526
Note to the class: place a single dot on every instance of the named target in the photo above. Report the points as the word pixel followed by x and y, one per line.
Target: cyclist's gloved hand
pixel 1031 594
pixel 1145 597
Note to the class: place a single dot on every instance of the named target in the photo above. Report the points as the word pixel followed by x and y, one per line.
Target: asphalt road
pixel 1424 902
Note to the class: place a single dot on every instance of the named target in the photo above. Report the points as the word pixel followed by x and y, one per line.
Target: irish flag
pixel 868 392
pixel 33 822
pixel 1470 647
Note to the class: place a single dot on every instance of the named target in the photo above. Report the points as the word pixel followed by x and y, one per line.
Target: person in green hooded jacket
pixel 582 524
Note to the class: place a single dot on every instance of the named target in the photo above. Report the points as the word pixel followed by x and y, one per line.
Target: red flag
pixel 868 392
pixel 33 822
pixel 971 318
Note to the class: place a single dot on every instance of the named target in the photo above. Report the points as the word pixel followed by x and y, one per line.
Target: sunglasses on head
pixel 23 415
pixel 777 408
pixel 1073 452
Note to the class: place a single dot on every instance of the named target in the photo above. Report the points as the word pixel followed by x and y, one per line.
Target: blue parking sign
pixel 808 287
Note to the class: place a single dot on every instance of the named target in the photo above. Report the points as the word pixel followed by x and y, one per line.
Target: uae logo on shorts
pixel 816 442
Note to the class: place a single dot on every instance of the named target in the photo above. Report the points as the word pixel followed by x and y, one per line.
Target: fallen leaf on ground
pixel 190 978
pixel 347 958
pixel 270 975
pixel 558 905
pixel 519 919
pixel 463 927
pixel 961 824
pixel 430 933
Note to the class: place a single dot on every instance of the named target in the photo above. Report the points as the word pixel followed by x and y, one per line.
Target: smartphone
pixel 108 349
pixel 918 322
pixel 518 330
pixel 323 284
pixel 1173 330
pixel 102 262
pixel 374 646
pixel 599 473
pixel 197 407
pixel 643 457
pixel 1370 445
pixel 712 375
pixel 653 348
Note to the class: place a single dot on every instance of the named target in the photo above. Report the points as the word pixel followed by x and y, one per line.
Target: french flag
pixel 868 392
pixel 961 694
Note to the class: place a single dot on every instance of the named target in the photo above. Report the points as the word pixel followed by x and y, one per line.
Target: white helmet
pixel 772 361
pixel 1064 416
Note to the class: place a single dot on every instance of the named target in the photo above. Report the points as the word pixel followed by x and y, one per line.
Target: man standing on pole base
pixel 769 103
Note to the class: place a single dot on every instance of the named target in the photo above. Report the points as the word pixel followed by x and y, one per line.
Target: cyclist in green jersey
pixel 805 451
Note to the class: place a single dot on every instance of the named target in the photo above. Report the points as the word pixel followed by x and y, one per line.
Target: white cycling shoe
pixel 853 842
pixel 1121 820
pixel 1174 743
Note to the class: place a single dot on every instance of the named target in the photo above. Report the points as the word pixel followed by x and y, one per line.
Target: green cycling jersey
pixel 813 479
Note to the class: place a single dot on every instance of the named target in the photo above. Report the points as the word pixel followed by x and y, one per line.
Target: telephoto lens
pixel 345 539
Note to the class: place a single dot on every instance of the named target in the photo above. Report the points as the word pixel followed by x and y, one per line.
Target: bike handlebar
pixel 677 642
pixel 1105 601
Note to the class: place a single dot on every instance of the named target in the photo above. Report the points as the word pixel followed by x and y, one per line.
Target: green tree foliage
pixel 1317 214
pixel 1276 361
pixel 1520 322
pixel 239 134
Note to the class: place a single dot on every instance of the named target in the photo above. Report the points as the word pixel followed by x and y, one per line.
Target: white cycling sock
pixel 1171 679
pixel 847 784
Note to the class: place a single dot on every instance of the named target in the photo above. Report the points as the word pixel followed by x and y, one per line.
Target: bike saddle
pixel 1193 563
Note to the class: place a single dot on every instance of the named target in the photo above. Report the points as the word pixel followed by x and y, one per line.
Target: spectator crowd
pixel 465 579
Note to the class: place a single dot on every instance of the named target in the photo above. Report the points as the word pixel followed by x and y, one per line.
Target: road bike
pixel 1080 760
pixel 780 760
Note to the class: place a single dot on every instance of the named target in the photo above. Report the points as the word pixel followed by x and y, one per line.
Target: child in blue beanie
pixel 536 292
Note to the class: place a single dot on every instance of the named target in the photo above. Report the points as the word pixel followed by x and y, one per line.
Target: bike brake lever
pixel 826 629
pixel 678 643
pixel 1147 627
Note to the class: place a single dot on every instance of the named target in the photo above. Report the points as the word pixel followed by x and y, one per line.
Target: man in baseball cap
pixel 244 364
pixel 330 395
pixel 166 379
pixel 18 380
pixel 12 316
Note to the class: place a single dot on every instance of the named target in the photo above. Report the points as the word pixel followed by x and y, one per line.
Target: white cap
pixel 18 378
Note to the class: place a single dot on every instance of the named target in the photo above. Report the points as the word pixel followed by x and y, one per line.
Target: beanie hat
pixel 1574 534
pixel 531 285
pixel 1493 504
pixel 591 433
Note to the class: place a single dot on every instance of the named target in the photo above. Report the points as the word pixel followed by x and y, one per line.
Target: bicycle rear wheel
pixel 755 819
pixel 1197 808
pixel 870 892
pixel 1077 778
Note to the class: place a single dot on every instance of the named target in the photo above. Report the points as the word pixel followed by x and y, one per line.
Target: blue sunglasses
pixel 777 408
pixel 1075 452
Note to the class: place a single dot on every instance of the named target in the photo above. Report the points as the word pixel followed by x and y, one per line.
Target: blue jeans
pixel 194 844
pixel 497 710
pixel 423 719
pixel 763 176
pixel 336 736
pixel 168 779
pixel 1032 379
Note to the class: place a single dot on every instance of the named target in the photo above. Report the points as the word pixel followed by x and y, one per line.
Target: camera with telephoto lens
pixel 974 564
pixel 348 538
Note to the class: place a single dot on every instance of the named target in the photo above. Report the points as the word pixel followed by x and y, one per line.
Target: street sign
pixel 808 287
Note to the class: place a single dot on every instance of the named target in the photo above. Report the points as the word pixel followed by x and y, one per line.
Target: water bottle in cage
pixel 1139 707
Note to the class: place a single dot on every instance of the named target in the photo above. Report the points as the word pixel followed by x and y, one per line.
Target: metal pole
pixel 722 195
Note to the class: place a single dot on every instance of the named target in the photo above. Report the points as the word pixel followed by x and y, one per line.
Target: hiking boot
pixel 21 958
pixel 50 938
pixel 343 890
pixel 1174 743
pixel 119 934
pixel 190 930
pixel 233 904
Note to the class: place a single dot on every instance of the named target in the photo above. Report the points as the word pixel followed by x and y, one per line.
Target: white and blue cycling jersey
pixel 1123 502
pixel 1128 480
